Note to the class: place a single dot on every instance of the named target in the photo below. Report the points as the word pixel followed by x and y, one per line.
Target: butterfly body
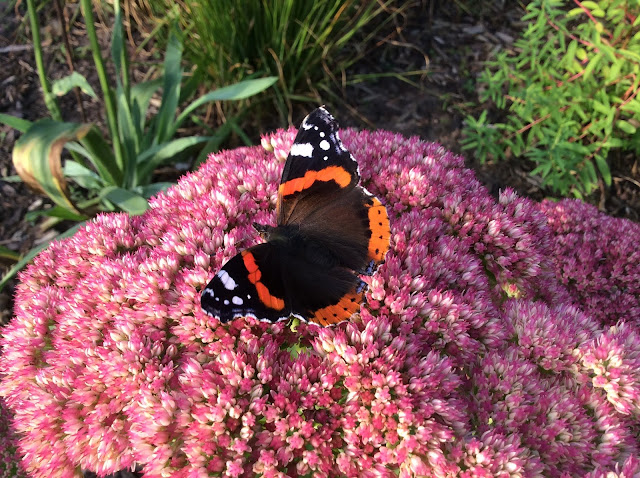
pixel 329 231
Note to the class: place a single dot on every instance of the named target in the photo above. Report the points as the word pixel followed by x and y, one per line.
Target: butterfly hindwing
pixel 270 282
pixel 249 284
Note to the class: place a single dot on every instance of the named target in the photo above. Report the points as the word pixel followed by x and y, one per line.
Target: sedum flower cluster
pixel 479 351
pixel 600 263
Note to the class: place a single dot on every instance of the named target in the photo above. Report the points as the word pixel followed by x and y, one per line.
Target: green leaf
pixel 631 55
pixel 626 126
pixel 33 252
pixel 126 200
pixel 55 211
pixel 603 167
pixel 119 52
pixel 64 85
pixel 150 190
pixel 170 90
pixel 7 253
pixel 238 91
pixel 20 124
pixel 100 153
pixel 614 70
pixel 613 143
pixel 154 157
pixel 588 175
pixel 141 94
pixel 37 158
pixel 83 176
pixel 574 12
pixel 593 62
pixel 570 56
pixel 128 135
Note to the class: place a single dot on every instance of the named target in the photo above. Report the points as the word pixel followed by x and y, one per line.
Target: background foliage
pixel 568 91
pixel 302 43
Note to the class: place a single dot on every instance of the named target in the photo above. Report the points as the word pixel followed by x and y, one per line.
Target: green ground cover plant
pixel 567 92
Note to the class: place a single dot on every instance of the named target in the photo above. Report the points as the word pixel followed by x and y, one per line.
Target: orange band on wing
pixel 338 174
pixel 380 232
pixel 332 314
pixel 255 275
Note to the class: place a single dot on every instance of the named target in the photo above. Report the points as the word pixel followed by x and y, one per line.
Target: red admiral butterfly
pixel 329 230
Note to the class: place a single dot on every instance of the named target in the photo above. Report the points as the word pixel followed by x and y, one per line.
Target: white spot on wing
pixel 237 300
pixel 305 150
pixel 226 302
pixel 226 280
pixel 324 144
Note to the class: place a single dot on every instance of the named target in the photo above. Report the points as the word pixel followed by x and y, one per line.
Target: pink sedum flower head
pixel 468 357
pixel 598 259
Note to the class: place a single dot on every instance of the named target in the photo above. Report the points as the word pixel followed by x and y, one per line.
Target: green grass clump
pixel 302 43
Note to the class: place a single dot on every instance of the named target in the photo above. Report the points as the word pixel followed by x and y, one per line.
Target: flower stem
pixel 109 101
pixel 49 99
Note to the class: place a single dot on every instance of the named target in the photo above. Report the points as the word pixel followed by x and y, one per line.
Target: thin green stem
pixel 109 101
pixel 124 58
pixel 49 99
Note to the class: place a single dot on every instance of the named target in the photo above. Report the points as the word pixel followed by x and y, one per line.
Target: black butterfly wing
pixel 344 228
pixel 270 282
pixel 319 193
pixel 318 169
pixel 249 285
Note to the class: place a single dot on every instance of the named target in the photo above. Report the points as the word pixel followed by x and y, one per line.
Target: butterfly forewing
pixel 317 169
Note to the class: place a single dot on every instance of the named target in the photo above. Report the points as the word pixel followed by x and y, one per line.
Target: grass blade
pixel 20 124
pixel 170 91
pixel 6 253
pixel 213 145
pixel 238 91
